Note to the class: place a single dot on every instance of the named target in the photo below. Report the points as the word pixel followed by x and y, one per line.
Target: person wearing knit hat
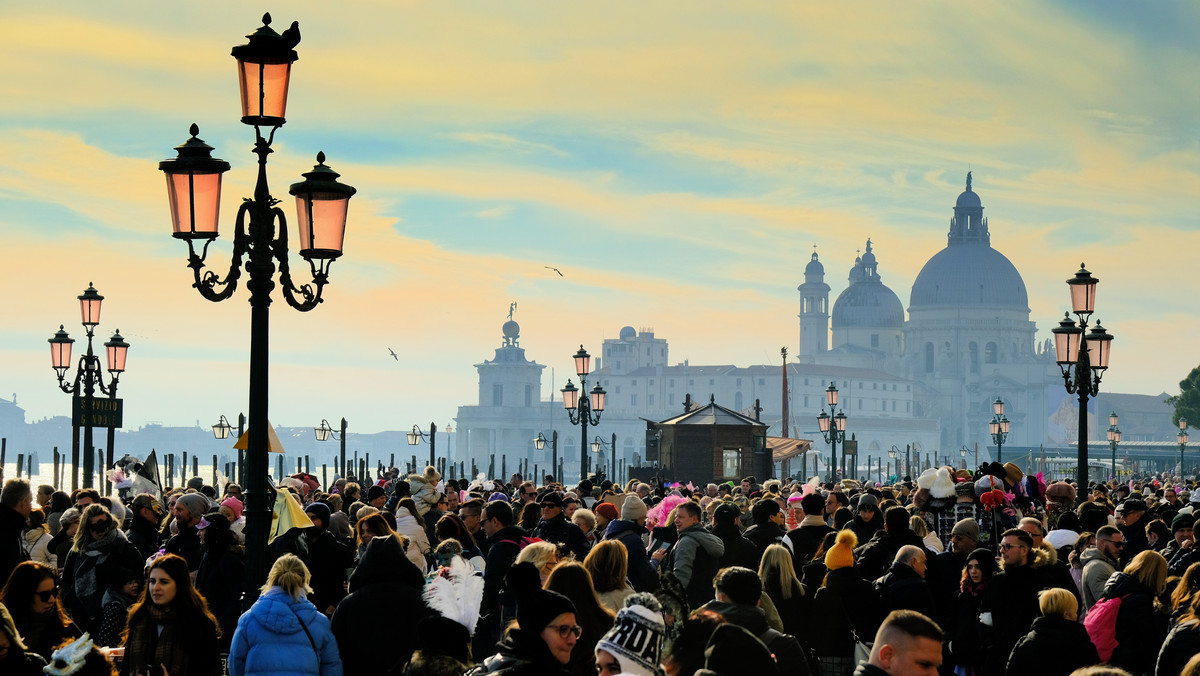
pixel 733 650
pixel 195 503
pixel 633 509
pixel 841 554
pixel 545 633
pixel 845 603
pixel 633 644
pixel 606 512
pixel 967 529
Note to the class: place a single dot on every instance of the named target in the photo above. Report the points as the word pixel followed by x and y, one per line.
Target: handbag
pixel 862 649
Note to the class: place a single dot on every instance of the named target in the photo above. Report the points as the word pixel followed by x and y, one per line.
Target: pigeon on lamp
pixel 291 36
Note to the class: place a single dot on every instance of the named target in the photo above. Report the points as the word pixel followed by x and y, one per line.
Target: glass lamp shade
pixel 89 306
pixel 892 453
pixel 962 452
pixel 1099 343
pixel 831 395
pixel 1117 436
pixel 539 442
pixel 570 395
pixel 583 362
pixel 322 432
pixel 221 429
pixel 116 349
pixel 1083 291
pixel 994 426
pixel 598 397
pixel 194 188
pixel 321 206
pixel 1112 434
pixel 414 437
pixel 1004 425
pixel 60 350
pixel 823 421
pixel 839 421
pixel 1182 437
pixel 1183 423
pixel 264 72
pixel 1112 419
pixel 998 406
pixel 596 447
pixel 1066 341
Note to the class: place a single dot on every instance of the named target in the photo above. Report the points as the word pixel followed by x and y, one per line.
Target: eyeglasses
pixel 1006 546
pixel 45 596
pixel 530 495
pixel 1115 543
pixel 565 630
pixel 100 526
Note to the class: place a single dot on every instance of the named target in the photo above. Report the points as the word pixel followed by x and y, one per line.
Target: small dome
pixel 968 198
pixel 511 329
pixel 814 266
pixel 628 333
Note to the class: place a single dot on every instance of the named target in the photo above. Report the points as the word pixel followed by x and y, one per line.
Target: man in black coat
pixel 736 600
pixel 1012 597
pixel 16 502
pixel 1133 527
pixel 504 538
pixel 769 527
pixel 739 551
pixel 385 585
pixel 903 586
pixel 189 509
pixel 555 528
pixel 873 558
pixel 144 515
pixel 328 559
pixel 805 539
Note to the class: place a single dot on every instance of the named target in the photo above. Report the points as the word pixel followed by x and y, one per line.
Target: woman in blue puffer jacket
pixel 283 633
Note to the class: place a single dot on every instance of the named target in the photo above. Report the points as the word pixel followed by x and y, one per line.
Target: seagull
pixel 560 274
pixel 291 36
pixel 393 353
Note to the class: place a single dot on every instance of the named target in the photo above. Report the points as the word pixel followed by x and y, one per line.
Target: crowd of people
pixel 982 573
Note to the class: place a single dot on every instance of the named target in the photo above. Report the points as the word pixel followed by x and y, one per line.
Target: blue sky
pixel 676 160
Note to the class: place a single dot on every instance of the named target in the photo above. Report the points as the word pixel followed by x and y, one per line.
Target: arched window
pixel 929 357
pixel 737 401
pixel 990 353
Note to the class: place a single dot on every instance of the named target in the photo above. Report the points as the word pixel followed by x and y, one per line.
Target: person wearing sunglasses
pixel 31 596
pixel 544 635
pixel 99 557
pixel 1099 563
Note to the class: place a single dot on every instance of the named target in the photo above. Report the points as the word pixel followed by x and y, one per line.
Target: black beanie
pixel 536 607
pixel 733 650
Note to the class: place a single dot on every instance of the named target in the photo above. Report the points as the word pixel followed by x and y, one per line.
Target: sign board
pixel 105 412
pixel 850 447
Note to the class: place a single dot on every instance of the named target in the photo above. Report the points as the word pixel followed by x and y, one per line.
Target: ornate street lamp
pixel 1114 438
pixel 416 436
pixel 998 427
pixel 586 411
pixel 833 428
pixel 539 442
pixel 1182 438
pixel 88 376
pixel 1083 359
pixel 324 432
pixel 221 429
pixel 261 236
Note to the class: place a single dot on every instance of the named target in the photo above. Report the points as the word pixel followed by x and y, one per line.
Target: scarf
pixel 973 590
pixel 147 646
pixel 93 555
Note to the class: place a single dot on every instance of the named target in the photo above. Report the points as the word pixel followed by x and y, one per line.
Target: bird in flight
pixel 560 274
pixel 393 353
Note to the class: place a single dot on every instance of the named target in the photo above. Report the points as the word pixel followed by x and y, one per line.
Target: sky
pixel 676 161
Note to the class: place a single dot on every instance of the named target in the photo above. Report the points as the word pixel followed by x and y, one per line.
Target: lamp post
pixel 87 374
pixel 585 411
pixel 962 453
pixel 221 431
pixel 539 442
pixel 415 437
pixel 833 428
pixel 1082 358
pixel 1114 438
pixel 1182 438
pixel 324 432
pixel 599 445
pixel 194 190
pixel 998 427
pixel 892 453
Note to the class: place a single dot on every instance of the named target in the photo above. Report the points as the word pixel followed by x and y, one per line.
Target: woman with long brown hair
pixel 100 556
pixel 608 564
pixel 170 626
pixel 31 596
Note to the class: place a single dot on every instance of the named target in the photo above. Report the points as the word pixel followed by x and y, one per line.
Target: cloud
pixel 506 142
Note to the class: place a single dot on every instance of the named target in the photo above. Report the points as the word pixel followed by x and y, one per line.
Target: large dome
pixel 972 275
pixel 969 272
